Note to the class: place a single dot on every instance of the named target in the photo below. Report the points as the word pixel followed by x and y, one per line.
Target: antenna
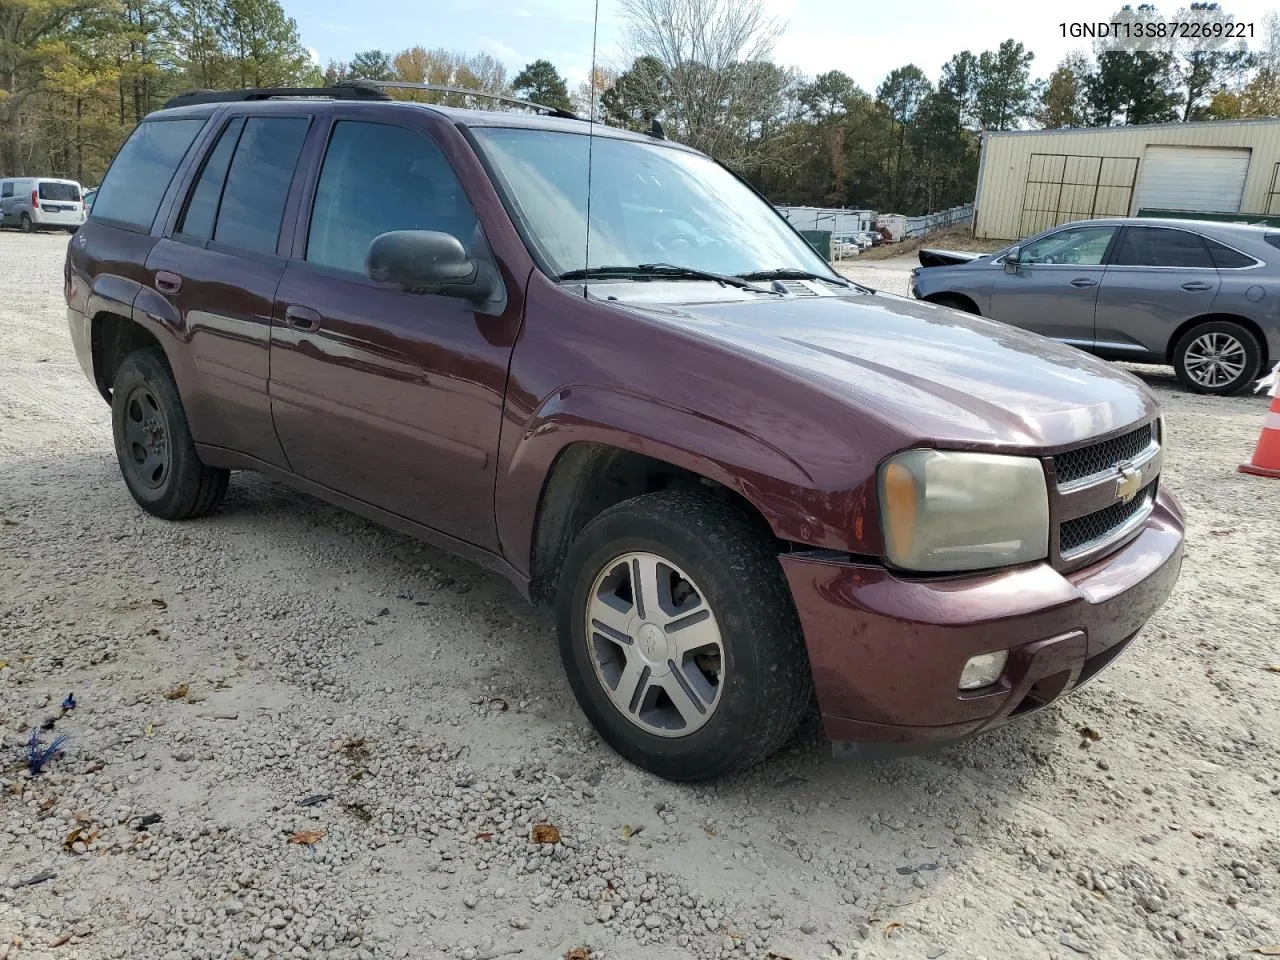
pixel 591 130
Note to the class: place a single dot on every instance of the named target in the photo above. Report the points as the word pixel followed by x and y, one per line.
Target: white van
pixel 38 203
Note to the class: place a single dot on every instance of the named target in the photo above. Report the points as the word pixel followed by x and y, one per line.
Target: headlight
pixel 963 511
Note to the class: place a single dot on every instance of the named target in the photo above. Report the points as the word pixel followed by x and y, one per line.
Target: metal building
pixel 1033 179
pixel 840 221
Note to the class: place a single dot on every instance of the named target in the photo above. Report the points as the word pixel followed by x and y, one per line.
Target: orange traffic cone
pixel 1266 459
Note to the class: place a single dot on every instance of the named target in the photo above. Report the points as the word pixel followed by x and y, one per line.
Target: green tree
pixel 1206 66
pixel 637 97
pixel 1133 87
pixel 371 65
pixel 1003 96
pixel 541 82
pixel 901 94
pixel 826 95
pixel 1063 100
pixel 959 82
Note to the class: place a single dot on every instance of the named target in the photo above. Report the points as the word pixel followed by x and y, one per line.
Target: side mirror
pixel 431 262
pixel 1012 259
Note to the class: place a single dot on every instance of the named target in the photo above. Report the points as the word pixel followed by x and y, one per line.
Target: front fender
pixel 778 487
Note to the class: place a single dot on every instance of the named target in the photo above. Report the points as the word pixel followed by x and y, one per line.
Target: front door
pixel 1055 285
pixel 1158 278
pixel 391 397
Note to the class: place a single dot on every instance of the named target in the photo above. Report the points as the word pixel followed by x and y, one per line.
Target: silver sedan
pixel 1201 296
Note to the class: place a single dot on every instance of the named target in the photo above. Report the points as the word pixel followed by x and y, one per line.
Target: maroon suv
pixel 638 392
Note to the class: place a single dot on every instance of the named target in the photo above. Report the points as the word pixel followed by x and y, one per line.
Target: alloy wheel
pixel 1215 359
pixel 655 644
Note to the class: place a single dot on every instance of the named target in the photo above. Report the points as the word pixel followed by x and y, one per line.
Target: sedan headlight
pixel 945 511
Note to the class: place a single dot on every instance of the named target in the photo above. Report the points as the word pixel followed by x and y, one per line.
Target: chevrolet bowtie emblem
pixel 1128 484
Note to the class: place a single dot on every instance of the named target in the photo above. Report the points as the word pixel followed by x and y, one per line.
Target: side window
pixel 1084 246
pixel 1225 258
pixel 6 190
pixel 140 174
pixel 202 207
pixel 1162 247
pixel 378 178
pixel 257 183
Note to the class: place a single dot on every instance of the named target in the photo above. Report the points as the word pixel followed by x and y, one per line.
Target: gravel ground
pixel 300 735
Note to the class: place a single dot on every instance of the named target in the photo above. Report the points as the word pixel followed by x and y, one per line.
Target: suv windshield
pixel 50 190
pixel 649 204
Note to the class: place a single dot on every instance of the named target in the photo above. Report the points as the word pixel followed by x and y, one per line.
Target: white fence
pixel 841 221
pixel 915 226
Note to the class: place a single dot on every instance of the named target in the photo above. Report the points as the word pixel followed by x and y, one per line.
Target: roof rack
pixel 441 88
pixel 343 90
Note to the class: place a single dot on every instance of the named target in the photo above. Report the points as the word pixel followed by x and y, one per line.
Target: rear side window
pixel 6 190
pixel 405 183
pixel 140 174
pixel 258 183
pixel 1162 247
pixel 1224 258
pixel 202 209
pixel 62 192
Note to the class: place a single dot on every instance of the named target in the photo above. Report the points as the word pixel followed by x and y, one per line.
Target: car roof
pixel 517 119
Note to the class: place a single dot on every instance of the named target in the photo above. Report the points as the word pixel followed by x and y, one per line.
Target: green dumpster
pixel 820 240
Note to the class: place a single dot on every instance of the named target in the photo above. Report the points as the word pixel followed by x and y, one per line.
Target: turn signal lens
pixel 983 670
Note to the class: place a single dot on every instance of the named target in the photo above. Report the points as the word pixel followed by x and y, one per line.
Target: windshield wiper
pixel 793 273
pixel 669 271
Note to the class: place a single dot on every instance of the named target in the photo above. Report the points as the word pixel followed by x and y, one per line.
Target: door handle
pixel 1083 282
pixel 302 318
pixel 167 282
pixel 1196 286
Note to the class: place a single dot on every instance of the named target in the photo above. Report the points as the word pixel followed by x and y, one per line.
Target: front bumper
pixel 887 652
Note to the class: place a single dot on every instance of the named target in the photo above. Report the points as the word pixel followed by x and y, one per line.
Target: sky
pixel 864 39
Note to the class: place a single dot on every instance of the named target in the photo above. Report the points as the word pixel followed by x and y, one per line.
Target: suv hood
pixel 948 377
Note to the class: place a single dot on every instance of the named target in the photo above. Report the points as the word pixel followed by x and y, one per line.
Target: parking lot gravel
pixel 296 734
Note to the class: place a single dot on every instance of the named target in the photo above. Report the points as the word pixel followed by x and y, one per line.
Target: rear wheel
pixel 25 224
pixel 1219 357
pixel 157 456
pixel 679 637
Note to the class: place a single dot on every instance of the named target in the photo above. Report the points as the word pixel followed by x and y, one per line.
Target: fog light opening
pixel 983 670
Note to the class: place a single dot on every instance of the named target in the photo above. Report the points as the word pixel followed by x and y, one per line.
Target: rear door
pixel 1055 286
pixel 1158 278
pixel 218 266
pixel 6 201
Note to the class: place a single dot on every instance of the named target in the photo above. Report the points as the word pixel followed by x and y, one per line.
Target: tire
pixel 153 442
pixel 753 692
pixel 1240 358
pixel 25 224
pixel 955 303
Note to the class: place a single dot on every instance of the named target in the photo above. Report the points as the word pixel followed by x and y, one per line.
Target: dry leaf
pixel 82 816
pixel 307 837
pixel 486 835
pixel 891 929
pixel 157 602
pixel 1219 533
pixel 545 833
pixel 177 693
pixel 60 941
pixel 48 802
pixel 1274 668
pixel 146 731
pixel 629 831
pixel 1267 951
pixel 578 953
pixel 1090 734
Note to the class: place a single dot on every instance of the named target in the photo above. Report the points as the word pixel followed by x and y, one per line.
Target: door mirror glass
pixel 1012 259
pixel 430 262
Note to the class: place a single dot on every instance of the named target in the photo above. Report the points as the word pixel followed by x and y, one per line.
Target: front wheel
pixel 157 455
pixel 679 637
pixel 1219 357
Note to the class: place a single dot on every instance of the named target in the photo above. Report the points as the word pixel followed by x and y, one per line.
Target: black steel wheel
pixel 156 453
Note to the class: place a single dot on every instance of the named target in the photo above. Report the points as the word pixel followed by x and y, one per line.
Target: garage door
pixel 1204 179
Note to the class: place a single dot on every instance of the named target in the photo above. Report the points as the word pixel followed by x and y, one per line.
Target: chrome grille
pixel 1101 457
pixel 1078 535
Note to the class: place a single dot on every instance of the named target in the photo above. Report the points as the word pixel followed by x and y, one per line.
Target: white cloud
pixel 314 54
